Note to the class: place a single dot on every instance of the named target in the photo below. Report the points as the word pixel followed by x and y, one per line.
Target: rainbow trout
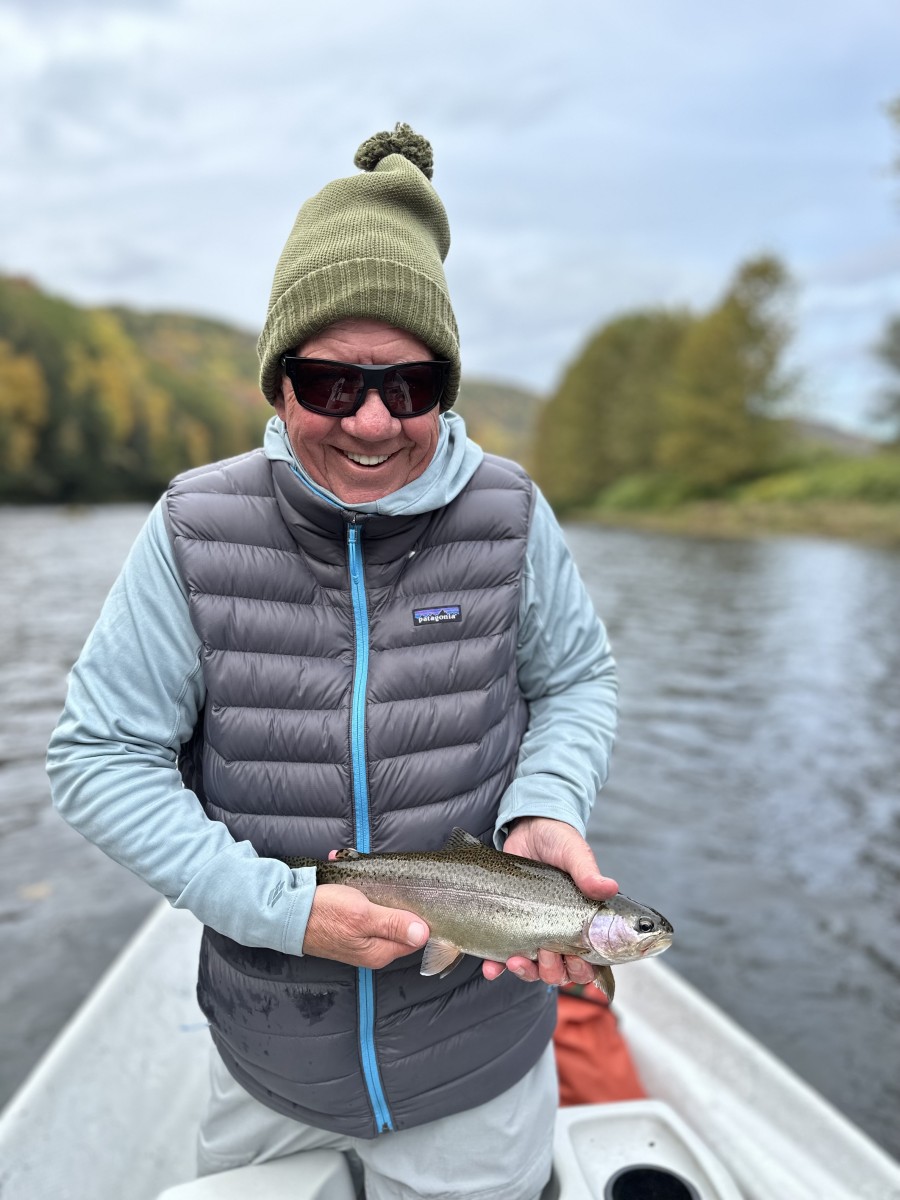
pixel 480 901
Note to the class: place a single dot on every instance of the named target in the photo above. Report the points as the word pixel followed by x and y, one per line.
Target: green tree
pixel 888 350
pixel 887 408
pixel 603 421
pixel 728 379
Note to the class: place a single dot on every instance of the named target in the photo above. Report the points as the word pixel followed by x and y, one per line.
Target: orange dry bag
pixel 592 1057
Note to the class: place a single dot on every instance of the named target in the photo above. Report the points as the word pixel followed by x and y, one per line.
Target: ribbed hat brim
pixel 375 288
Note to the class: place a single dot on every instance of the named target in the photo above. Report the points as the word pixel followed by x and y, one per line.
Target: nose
pixel 371 422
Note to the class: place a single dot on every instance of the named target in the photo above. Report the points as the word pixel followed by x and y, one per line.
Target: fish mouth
pixel 656 945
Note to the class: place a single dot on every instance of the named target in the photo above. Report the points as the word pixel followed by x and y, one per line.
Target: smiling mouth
pixel 366 460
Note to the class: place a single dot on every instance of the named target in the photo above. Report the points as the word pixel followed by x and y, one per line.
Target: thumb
pixel 398 925
pixel 582 866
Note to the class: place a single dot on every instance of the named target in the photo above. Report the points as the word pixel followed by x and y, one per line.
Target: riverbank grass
pixel 856 499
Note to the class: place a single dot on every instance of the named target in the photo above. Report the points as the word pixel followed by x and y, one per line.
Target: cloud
pixel 38 11
pixel 591 159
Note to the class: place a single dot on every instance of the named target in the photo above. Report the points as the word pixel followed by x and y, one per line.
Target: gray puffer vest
pixel 361 691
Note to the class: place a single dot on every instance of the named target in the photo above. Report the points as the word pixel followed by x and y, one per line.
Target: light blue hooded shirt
pixel 137 689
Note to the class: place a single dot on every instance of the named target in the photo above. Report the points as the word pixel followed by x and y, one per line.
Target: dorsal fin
pixel 347 854
pixel 460 840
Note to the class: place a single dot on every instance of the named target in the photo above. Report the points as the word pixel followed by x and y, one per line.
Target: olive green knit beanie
pixel 372 246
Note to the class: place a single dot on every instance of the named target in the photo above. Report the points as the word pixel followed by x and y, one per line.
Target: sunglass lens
pixel 329 390
pixel 412 389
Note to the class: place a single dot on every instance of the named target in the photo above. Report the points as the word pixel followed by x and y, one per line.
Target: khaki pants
pixel 501 1150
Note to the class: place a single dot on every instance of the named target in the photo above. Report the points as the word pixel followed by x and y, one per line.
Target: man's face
pixel 327 446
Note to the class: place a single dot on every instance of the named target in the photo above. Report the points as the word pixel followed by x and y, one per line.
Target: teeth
pixel 367 460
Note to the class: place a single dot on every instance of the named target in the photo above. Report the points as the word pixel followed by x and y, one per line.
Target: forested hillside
pixel 105 404
pixel 501 418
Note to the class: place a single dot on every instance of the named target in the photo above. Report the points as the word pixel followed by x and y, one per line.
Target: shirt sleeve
pixel 568 677
pixel 134 697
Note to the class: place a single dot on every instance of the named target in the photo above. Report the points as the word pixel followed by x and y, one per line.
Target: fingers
pixel 553 969
pixel 549 968
pixel 524 968
pixel 492 970
pixel 578 970
pixel 346 927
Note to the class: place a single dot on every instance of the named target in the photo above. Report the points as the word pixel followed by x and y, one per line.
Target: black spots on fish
pixel 312 1004
pixel 348 854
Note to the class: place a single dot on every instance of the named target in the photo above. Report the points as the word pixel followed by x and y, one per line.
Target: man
pixel 366 633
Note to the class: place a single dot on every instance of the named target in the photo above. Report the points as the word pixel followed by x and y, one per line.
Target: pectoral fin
pixel 440 957
pixel 603 979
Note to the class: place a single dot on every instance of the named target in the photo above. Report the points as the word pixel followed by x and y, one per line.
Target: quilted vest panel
pixel 265 561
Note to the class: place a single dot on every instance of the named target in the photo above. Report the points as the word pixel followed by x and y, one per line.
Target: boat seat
pixel 324 1175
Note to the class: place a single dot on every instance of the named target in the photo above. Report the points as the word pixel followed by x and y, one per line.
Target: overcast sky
pixel 593 157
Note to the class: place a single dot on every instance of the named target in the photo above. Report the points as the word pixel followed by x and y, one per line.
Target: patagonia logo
pixel 431 616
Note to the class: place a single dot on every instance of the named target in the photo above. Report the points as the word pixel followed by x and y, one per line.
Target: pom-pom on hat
pixel 371 245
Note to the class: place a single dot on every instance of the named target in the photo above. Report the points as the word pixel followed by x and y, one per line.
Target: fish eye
pixel 646 925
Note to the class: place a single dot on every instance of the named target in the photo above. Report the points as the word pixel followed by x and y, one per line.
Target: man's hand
pixel 560 845
pixel 343 925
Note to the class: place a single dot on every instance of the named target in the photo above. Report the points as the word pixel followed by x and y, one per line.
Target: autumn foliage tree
pixel 23 410
pixel 100 404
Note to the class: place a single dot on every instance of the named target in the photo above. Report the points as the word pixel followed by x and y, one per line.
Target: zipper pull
pixel 353 535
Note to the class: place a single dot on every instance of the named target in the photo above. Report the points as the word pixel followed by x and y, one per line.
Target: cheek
pixel 305 429
pixel 426 433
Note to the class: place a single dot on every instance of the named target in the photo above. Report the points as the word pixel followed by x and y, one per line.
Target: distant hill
pixel 817 435
pixel 189 345
pixel 500 417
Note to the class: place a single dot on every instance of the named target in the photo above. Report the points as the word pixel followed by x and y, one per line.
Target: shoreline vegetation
pixel 874 524
pixel 854 495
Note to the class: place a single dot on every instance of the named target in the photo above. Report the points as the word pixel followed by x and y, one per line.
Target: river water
pixel 755 795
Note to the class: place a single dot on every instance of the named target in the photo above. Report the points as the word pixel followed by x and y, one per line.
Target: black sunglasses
pixel 336 389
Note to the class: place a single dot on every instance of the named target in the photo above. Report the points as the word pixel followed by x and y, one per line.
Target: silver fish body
pixel 493 905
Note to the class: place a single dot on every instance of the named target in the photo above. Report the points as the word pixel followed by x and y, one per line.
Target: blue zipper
pixel 365 983
pixel 360 676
